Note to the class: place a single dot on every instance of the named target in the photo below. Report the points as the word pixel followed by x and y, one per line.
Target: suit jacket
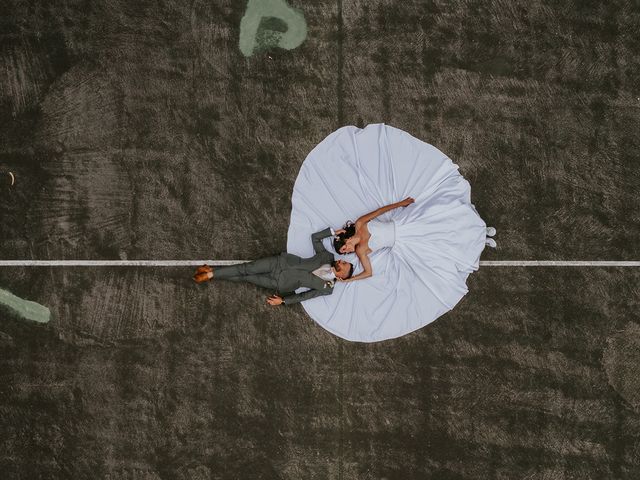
pixel 295 272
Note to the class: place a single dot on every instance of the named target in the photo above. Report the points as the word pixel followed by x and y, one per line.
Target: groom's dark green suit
pixel 285 272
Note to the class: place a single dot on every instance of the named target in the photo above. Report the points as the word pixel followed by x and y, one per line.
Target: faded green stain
pixel 25 308
pixel 271 23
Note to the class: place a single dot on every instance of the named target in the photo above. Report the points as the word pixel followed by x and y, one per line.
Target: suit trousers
pixel 261 272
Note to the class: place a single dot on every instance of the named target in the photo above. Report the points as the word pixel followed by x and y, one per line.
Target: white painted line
pixel 186 263
pixel 559 263
pixel 115 263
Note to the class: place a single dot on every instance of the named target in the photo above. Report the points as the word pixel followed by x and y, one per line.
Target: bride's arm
pixel 366 264
pixel 370 216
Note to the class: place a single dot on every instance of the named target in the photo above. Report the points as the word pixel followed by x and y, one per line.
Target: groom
pixel 287 272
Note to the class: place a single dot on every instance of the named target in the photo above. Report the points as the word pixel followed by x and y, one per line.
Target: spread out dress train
pixel 422 253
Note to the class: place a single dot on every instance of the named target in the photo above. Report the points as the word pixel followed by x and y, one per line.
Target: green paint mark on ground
pixel 25 308
pixel 271 23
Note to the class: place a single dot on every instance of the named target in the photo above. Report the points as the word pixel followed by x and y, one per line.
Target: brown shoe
pixel 202 277
pixel 204 268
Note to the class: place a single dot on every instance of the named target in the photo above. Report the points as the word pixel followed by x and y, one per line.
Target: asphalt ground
pixel 141 131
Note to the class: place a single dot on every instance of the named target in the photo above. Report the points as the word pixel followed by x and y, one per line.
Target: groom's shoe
pixel 204 268
pixel 203 274
pixel 202 277
pixel 491 243
pixel 491 231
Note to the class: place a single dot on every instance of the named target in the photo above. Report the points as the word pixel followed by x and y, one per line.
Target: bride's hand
pixel 406 201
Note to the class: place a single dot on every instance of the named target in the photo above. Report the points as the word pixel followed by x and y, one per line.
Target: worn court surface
pixel 138 130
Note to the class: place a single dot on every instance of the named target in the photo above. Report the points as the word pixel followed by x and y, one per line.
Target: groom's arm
pixel 317 237
pixel 299 297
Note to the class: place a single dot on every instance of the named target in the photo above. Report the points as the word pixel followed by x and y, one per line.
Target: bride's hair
pixel 340 239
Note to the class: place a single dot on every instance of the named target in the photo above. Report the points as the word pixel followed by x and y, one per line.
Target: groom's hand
pixel 275 300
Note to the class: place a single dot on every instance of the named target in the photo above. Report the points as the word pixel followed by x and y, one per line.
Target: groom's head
pixel 342 269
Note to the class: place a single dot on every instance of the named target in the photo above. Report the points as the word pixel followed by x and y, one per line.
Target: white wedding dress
pixel 422 253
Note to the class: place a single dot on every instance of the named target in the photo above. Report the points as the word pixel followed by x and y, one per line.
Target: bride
pixel 414 261
pixel 354 237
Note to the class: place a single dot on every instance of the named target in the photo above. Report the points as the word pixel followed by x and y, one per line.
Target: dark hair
pixel 350 270
pixel 340 240
pixel 334 264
